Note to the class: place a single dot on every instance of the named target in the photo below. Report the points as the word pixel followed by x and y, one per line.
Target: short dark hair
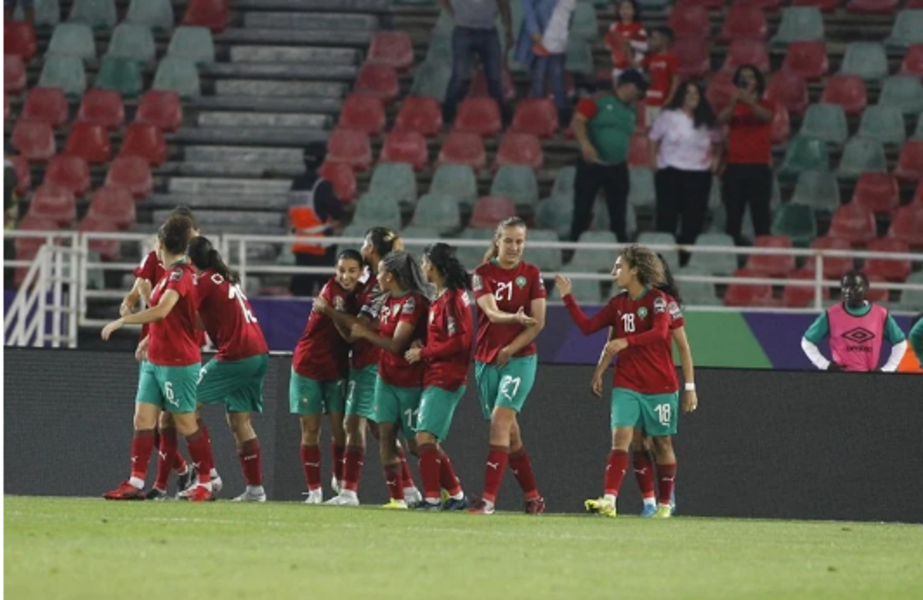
pixel 315 153
pixel 760 78
pixel 174 235
pixel 665 32
pixel 184 211
pixel 632 77
pixel 350 254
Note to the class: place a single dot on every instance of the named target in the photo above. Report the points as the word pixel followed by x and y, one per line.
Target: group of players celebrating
pixel 387 350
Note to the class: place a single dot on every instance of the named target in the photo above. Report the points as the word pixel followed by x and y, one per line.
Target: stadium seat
pixel 804 154
pixel 379 81
pixel 878 192
pixel 861 155
pixel 520 149
pixel 393 48
pixel 818 189
pixel 472 256
pixel 788 89
pixel 350 147
pixel 178 75
pixel 395 181
pixel 73 39
pixel 698 293
pixel 122 75
pixel 480 116
pixel 463 148
pixel 89 141
pixel 46 104
pixel 913 61
pixel 548 260
pixel 27 248
pixel 768 264
pixel 918 195
pixel 131 173
pixel 194 44
pixel 847 91
pixel 800 24
pixel 70 173
pixel 693 57
pixel 743 22
pixel 904 92
pixel 590 261
pixel 107 249
pixel 34 140
pixel 490 210
pixel 910 161
pixel 439 49
pixel 535 116
pixel 781 125
pixel 579 59
pixel 115 205
pixel 455 180
pixel 807 59
pixel 641 192
pixel 56 204
pixel 438 212
pixel 479 85
pixel 584 23
pixel 19 39
pixel 405 147
pixel 891 270
pixel 135 42
pixel 155 14
pixel 833 266
pixel 687 4
pixel 720 91
pixel 214 14
pixel 375 209
pixel 412 232
pixel 420 114
pixel 160 109
pixel 912 300
pixel 144 141
pixel 431 80
pixel 884 124
pixel 797 296
pixel 872 7
pixel 854 223
pixel 638 151
pixel 23 175
pixel 866 60
pixel 47 13
pixel 98 14
pixel 747 52
pixel 363 113
pixel 918 132
pixel 653 238
pixel 102 107
pixel 907 30
pixel 797 222
pixel 343 179
pixel 826 122
pixel 557 213
pixel 746 294
pixel 14 75
pixel 765 5
pixel 714 263
pixel 7 109
pixel 65 72
pixel 516 182
pixel 907 225
pixel 691 22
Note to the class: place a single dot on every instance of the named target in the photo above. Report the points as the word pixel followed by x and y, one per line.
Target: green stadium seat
pixel 414 232
pixel 120 74
pixel 698 293
pixel 351 231
pixel 586 291
pixel 804 154
pixel 907 30
pixel 653 5
pixel 797 221
pixel 584 23
pixel 472 256
pixel 437 212
pixel 546 259
pixel 456 180
pixel 65 72
pixel 564 182
pixel 641 191
pixel 98 14
pixel 156 14
pixel 579 60
pixel 866 60
pixel 904 92
pixel 178 75
pixel 47 13
pixel 431 80
pixel 396 181
pixel 135 42
pixel 719 223
pixel 819 190
pixel 193 43
pixel 440 49
pixel 826 122
pixel 912 300
pixel 444 25
pixel 515 67
pixel 376 209
pixel 654 238
pixel 799 24
pixel 557 213
pixel 884 124
pixel 594 261
pixel 918 132
pixel 518 183
pixel 73 39
pixel 860 156
pixel 714 263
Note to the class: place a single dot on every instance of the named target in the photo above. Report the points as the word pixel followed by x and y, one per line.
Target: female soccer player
pixel 447 355
pixel 645 386
pixel 320 366
pixel 168 378
pixel 235 375
pixel 511 298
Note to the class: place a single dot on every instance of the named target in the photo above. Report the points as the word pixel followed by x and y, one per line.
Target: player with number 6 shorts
pixel 645 386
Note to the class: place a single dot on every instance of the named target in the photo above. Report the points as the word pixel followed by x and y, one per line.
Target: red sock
pixel 393 479
pixel 644 473
pixel 337 453
pixel 310 460
pixel 430 467
pixel 250 462
pixel 166 453
pixel 448 480
pixel 406 475
pixel 493 472
pixel 352 467
pixel 142 446
pixel 522 469
pixel 201 452
pixel 666 478
pixel 179 462
pixel 615 471
pixel 204 429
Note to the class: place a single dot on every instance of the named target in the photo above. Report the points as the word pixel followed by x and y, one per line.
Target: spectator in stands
pixel 542 46
pixel 748 176
pixel 663 73
pixel 28 9
pixel 913 357
pixel 314 212
pixel 475 34
pixel 684 150
pixel 626 38
pixel 603 125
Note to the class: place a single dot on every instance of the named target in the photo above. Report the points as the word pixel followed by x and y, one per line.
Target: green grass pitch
pixel 89 548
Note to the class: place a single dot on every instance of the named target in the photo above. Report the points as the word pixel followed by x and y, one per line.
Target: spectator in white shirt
pixel 684 150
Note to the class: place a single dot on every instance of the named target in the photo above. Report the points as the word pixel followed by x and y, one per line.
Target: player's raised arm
pixel 587 325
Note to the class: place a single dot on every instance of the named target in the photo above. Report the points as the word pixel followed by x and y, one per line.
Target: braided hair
pixel 442 256
pixel 407 272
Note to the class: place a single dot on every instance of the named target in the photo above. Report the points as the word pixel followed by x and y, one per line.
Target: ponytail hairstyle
pixel 406 270
pixel 648 265
pixel 384 241
pixel 669 285
pixel 204 256
pixel 174 234
pixel 504 225
pixel 442 257
pixel 350 254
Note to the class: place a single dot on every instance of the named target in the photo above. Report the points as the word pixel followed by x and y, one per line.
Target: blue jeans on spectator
pixel 466 44
pixel 550 69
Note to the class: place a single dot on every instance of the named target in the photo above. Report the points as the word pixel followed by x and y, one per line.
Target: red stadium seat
pixel 834 267
pixel 878 192
pixel 420 114
pixel 350 147
pixel 131 173
pixel 913 61
pixel 767 5
pixel 570 88
pixel 14 74
pixel 690 21
pixel 796 296
pixel 854 223
pixel 479 85
pixel 490 210
pixel 743 22
pixel 480 116
pixel 824 5
pixel 46 104
pixel 744 295
pixel 720 91
pixel 113 204
pixel 872 7
pixel 789 90
pixel 53 203
pixel 392 48
pixel 109 250
pixel 91 142
pixel 520 149
pixel 27 248
pixel 847 91
pixel 34 140
pixel 889 269
pixel 637 151
pixel 68 172
pixel 162 109
pixel 144 141
pixel 343 179
pixel 102 107
pixel 747 52
pixel 214 14
pixel 807 59
pixel 709 4
pixel 405 147
pixel 364 113
pixel 914 4
pixel 379 81
pixel 463 148
pixel 918 195
pixel 772 265
pixel 23 175
pixel 536 116
pixel 781 125
pixel 19 39
pixel 693 58
pixel 907 224
pixel 910 161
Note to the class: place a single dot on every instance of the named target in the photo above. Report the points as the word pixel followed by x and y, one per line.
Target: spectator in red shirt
pixel 662 73
pixel 626 38
pixel 748 176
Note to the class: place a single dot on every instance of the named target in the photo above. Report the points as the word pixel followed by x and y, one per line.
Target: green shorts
pixel 307 396
pixel 360 395
pixel 437 407
pixel 237 383
pixel 507 386
pixel 656 414
pixel 398 405
pixel 168 388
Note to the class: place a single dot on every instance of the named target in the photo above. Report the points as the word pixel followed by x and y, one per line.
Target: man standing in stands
pixel 856 328
pixel 314 212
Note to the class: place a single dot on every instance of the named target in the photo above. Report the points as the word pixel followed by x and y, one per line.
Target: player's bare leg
pixel 337 449
pixel 522 468
pixel 311 457
pixel 666 474
pixel 200 449
pixel 248 450
pixel 644 471
pixel 615 472
pixel 142 446
pixel 391 463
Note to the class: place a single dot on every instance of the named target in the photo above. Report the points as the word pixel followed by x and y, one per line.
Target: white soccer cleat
pixel 412 496
pixel 217 484
pixel 314 497
pixel 250 496
pixel 336 485
pixel 343 499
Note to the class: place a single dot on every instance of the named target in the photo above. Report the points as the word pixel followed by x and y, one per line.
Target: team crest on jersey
pixel 477 283
pixel 409 306
pixel 339 304
pixel 660 305
pixel 642 312
pixel 521 282
pixel 176 275
pixel 385 313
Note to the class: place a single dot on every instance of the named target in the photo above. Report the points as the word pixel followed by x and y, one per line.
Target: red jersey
pixel 749 140
pixel 661 69
pixel 394 368
pixel 646 365
pixel 228 318
pixel 448 341
pixel 513 289
pixel 174 340
pixel 616 37
pixel 367 299
pixel 322 354
pixel 151 269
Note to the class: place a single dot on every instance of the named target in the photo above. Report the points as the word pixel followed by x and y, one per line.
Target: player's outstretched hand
pixel 320 305
pixel 523 319
pixel 597 386
pixel 690 401
pixel 111 328
pixel 413 355
pixel 563 284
